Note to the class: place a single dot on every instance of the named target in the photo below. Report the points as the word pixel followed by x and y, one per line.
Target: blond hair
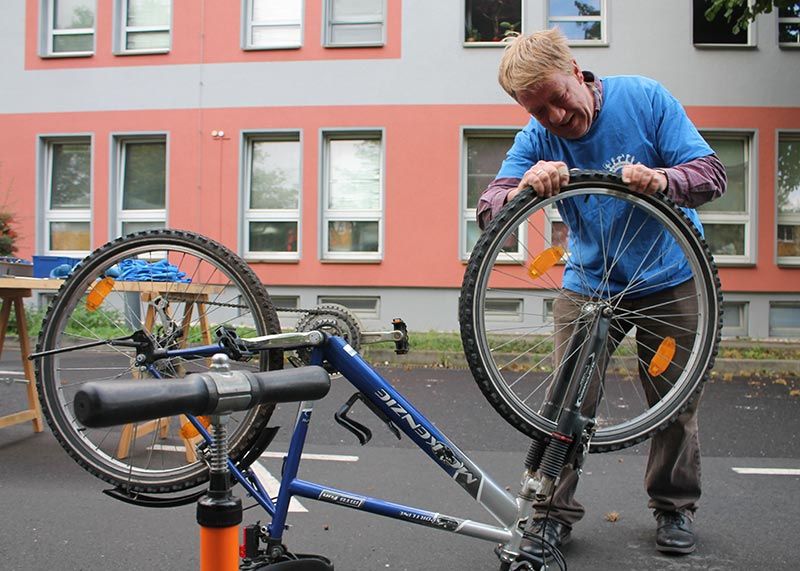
pixel 529 60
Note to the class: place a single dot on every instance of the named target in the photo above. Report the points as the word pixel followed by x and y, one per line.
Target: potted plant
pixel 9 264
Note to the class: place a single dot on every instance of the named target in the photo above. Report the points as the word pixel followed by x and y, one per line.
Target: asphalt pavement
pixel 54 516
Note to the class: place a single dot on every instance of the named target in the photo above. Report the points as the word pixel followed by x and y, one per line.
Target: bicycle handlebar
pixel 112 402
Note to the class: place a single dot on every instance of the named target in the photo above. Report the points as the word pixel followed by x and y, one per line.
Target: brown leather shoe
pixel 675 533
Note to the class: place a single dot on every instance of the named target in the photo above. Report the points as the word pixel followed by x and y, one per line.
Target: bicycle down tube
pixel 498 502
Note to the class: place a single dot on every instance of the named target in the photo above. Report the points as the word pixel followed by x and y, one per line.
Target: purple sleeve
pixel 696 182
pixel 493 199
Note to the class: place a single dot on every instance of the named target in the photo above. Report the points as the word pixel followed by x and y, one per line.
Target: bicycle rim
pixel 517 263
pixel 214 290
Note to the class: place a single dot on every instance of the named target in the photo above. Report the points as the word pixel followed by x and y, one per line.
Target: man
pixel 633 126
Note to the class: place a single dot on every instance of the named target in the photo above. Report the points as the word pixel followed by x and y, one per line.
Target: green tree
pixel 749 11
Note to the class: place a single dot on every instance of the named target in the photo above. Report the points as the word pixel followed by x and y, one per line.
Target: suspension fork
pixel 584 356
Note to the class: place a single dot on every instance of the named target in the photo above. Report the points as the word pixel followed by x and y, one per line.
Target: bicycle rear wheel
pixel 200 289
pixel 595 242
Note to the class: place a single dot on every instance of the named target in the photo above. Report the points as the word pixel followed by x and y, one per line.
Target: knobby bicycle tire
pixel 221 290
pixel 498 374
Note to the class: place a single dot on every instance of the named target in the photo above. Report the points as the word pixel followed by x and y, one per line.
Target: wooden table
pixel 12 292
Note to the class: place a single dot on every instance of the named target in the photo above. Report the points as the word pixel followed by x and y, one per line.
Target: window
pixel 69 27
pixel 788 198
pixel 784 319
pixel 484 152
pixel 547 311
pixel 287 301
pixel 272 196
pixel 719 31
pixel 583 23
pixel 68 190
pixel 503 309
pixel 144 26
pixel 354 23
pixel 489 21
pixel 362 306
pixel 789 26
pixel 141 174
pixel 273 24
pixel 352 212
pixel 727 221
pixel 734 319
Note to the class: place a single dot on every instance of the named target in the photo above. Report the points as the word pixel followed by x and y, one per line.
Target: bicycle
pixel 521 254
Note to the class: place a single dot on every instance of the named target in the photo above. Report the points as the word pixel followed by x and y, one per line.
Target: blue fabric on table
pixel 135 270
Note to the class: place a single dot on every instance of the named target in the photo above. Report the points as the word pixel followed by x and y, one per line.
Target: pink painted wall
pixel 221 27
pixel 423 162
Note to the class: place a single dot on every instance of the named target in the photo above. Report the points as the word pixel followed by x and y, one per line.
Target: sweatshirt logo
pixel 615 164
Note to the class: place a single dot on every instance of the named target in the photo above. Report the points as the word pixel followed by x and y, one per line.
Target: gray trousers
pixel 672 478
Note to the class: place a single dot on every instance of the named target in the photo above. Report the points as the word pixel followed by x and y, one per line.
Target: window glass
pixel 273 236
pixel 275 174
pixel 276 23
pixel 70 236
pixel 718 31
pixel 72 25
pixel 363 306
pixel 133 227
pixel 789 25
pixel 577 20
pixel 788 197
pixel 784 319
pixel 355 181
pixel 726 220
pixel 484 157
pixel 71 176
pixel 349 236
pixel 491 20
pixel 147 24
pixel 144 177
pixel 149 12
pixel 355 22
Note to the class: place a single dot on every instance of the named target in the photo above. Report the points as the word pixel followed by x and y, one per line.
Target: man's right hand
pixel 545 178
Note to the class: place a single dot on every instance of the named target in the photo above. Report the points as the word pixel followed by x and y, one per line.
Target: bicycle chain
pixel 240 306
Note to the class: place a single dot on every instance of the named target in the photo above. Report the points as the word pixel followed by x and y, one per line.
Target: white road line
pixel 271 485
pixel 768 471
pixel 328 457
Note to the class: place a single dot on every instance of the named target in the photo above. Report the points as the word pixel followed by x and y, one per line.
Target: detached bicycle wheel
pixel 116 317
pixel 542 263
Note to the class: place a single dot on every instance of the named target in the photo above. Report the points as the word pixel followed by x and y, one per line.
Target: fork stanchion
pixel 219 512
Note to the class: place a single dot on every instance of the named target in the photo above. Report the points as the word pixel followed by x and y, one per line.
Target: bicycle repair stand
pixel 219 514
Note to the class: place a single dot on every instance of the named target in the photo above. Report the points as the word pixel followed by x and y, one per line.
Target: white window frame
pixel 469 215
pixel 122 30
pixel 63 215
pixel 48 32
pixel 752 40
pixel 497 314
pixel 787 20
pixel 491 43
pixel 329 24
pixel 118 179
pixel 354 215
pixel 248 23
pixel 271 214
pixel 602 18
pixel 787 219
pixel 747 219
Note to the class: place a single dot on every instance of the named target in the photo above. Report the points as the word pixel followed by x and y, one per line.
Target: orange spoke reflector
pixel 99 292
pixel 188 431
pixel 663 357
pixel 545 261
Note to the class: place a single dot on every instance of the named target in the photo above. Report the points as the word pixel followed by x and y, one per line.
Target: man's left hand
pixel 645 180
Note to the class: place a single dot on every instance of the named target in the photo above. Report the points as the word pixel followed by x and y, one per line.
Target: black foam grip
pixel 108 403
pixel 289 385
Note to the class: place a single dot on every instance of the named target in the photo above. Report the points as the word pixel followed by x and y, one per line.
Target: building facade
pixel 339 146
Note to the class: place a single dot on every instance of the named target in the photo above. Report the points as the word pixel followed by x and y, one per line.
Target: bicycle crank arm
pixel 284 341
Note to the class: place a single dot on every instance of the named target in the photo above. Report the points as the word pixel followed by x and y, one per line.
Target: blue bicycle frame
pixel 505 508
